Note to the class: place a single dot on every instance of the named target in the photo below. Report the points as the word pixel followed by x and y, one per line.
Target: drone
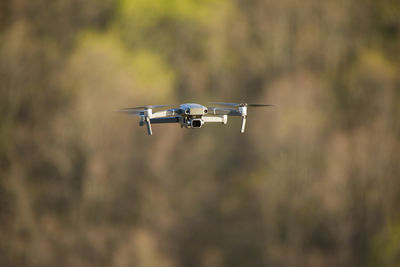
pixel 191 115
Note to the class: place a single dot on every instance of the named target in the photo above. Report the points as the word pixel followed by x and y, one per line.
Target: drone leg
pixel 148 124
pixel 243 124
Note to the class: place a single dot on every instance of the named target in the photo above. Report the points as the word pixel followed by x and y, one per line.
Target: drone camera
pixel 197 123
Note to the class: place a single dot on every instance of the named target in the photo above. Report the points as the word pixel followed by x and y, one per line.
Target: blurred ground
pixel 314 181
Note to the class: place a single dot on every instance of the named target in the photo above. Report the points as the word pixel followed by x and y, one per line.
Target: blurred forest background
pixel 314 181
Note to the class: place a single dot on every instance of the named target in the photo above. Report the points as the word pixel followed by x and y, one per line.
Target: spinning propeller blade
pixel 151 107
pixel 240 104
pixel 259 105
pixel 132 111
pixel 225 104
pixel 141 110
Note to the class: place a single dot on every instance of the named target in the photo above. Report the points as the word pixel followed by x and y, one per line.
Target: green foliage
pixel 147 14
pixel 385 246
pixel 100 56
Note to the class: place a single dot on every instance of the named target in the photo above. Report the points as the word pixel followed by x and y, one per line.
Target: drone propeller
pixel 259 105
pixel 138 111
pixel 145 112
pixel 242 110
pixel 151 107
pixel 132 111
pixel 240 104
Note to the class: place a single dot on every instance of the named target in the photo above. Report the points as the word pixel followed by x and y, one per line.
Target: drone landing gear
pixel 148 124
pixel 243 123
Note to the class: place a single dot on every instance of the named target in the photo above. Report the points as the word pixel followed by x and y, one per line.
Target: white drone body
pixel 191 115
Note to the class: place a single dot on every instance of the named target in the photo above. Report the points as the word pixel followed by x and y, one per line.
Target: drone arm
pixel 164 113
pixel 165 120
pixel 223 111
pixel 159 114
pixel 223 119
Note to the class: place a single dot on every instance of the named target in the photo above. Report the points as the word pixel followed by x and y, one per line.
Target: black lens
pixel 196 123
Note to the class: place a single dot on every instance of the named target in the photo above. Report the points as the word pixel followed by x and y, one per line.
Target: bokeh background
pixel 314 181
